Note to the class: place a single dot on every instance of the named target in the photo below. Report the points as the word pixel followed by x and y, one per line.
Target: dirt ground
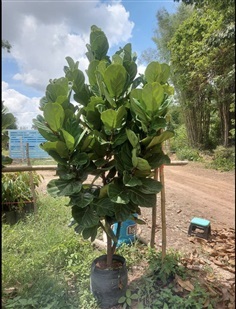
pixel 190 191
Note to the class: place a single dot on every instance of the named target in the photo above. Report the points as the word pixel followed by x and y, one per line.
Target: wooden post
pixel 154 217
pixel 163 212
pixel 31 179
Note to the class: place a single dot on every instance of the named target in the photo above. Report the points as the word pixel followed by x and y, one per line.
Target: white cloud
pixel 42 34
pixel 22 107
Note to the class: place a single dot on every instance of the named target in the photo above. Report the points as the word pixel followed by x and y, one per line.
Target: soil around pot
pixel 102 264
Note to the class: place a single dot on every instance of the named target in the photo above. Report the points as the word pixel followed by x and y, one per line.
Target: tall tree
pixel 202 54
pixel 198 40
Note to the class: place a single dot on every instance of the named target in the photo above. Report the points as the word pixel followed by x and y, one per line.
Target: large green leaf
pixel 90 233
pixel 139 111
pixel 122 212
pixel 118 194
pixel 153 72
pixel 79 158
pixel 150 186
pixel 104 207
pixel 69 140
pixel 86 217
pixel 131 68
pixel 59 88
pixel 54 115
pixel 115 78
pixel 156 160
pixel 98 43
pixel 130 180
pixel 160 138
pixel 92 112
pixel 48 135
pixel 132 137
pixel 62 187
pixel 78 80
pixel 91 72
pixel 125 156
pixel 113 119
pixel 140 163
pixel 82 199
pixel 153 95
pixel 58 146
pixel 165 73
pixel 141 199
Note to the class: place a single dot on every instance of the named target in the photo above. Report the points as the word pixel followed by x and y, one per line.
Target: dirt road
pixel 190 191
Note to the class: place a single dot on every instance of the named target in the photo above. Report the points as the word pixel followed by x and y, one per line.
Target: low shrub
pixel 223 159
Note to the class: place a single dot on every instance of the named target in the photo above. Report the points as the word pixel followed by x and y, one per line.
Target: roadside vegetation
pixel 46 265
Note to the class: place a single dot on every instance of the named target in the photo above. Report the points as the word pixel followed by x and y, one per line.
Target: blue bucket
pixel 128 231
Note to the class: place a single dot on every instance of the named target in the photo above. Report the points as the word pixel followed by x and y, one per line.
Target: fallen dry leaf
pixel 187 285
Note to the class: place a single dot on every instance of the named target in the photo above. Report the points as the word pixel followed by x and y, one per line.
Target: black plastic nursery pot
pixel 108 285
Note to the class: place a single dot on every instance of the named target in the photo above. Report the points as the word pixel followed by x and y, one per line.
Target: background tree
pixel 198 40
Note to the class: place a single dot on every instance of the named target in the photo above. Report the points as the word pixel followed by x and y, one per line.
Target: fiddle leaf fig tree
pixel 113 132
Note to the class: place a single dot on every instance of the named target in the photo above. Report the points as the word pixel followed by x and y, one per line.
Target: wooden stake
pixel 163 212
pixel 154 217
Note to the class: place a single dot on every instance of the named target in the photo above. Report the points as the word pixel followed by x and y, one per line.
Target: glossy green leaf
pixel 115 78
pixel 58 88
pixel 58 146
pixel 122 212
pixel 90 233
pixel 61 187
pixel 82 199
pixel 153 95
pixel 98 43
pixel 47 134
pixel 54 115
pixel 165 73
pixel 105 207
pixel 150 186
pixel 78 80
pixel 153 72
pixel 91 72
pixel 130 180
pixel 141 199
pixel 132 137
pixel 118 194
pixel 160 138
pixel 69 140
pixel 113 119
pixel 86 217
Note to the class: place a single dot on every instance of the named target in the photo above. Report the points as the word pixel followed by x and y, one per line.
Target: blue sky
pixel 43 33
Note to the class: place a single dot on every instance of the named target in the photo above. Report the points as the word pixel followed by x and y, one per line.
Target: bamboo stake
pixel 163 213
pixel 154 217
pixel 31 179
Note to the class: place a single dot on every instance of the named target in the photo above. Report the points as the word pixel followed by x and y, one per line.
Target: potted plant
pixel 113 131
pixel 17 198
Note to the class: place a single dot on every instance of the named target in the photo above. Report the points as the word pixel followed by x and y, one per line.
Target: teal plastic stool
pixel 202 224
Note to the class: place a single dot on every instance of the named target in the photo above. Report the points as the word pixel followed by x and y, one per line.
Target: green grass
pixel 42 260
pixel 46 265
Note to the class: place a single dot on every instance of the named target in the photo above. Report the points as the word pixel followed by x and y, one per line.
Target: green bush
pixel 16 189
pixel 188 153
pixel 224 159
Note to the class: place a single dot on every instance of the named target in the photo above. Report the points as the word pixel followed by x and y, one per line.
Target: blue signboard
pixel 18 140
